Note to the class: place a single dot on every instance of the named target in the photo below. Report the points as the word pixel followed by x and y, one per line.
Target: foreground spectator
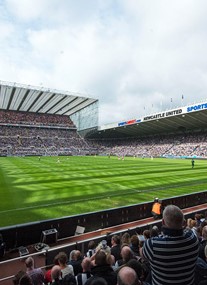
pixel 36 274
pixel 91 248
pixel 135 245
pixel 75 261
pixel 57 279
pixel 102 269
pixel 25 280
pixel 173 255
pixel 126 254
pixel 127 276
pixel 203 243
pixel 56 275
pixel 18 276
pixel 98 281
pixel 81 278
pixel 201 269
pixel 137 266
pixel 48 278
pixel 65 268
pixel 115 247
pixel 125 239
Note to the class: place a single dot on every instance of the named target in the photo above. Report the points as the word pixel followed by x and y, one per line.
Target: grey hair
pixel 173 217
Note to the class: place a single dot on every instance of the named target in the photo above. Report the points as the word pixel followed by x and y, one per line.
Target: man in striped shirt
pixel 172 255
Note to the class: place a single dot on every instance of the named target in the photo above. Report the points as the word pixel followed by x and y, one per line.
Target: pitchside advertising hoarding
pixel 170 113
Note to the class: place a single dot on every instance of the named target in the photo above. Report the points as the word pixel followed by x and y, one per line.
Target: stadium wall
pixel 27 234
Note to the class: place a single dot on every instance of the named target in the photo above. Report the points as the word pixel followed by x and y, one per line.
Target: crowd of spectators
pixel 26 133
pixel 29 118
pixel 175 253
pixel 191 144
pixel 41 141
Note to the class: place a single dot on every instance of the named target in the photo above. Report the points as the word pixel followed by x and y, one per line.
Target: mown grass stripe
pixel 32 190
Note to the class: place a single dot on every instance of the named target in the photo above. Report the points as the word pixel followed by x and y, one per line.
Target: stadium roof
pixel 25 98
pixel 185 119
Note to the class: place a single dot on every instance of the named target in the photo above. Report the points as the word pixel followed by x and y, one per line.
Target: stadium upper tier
pixel 179 120
pixel 83 111
pixel 25 98
pixel 31 119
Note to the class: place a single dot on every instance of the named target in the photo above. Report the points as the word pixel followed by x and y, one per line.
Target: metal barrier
pixel 26 234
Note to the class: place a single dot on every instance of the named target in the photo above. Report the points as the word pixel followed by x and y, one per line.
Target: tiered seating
pixel 39 134
pixel 155 146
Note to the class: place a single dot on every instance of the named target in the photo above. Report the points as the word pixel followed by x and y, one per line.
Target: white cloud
pixel 134 56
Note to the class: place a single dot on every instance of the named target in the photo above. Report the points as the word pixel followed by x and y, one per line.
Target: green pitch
pixel 33 190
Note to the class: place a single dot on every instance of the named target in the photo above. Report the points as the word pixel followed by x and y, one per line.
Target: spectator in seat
pixel 25 280
pixel 201 269
pixel 146 234
pixel 126 254
pixel 154 232
pixel 18 276
pixel 91 248
pixel 115 247
pixel 125 239
pixel 36 274
pixel 172 255
pixel 102 269
pixel 62 261
pixel 48 278
pixel 127 276
pixel 203 243
pixel 75 261
pixel 56 275
pixel 57 279
pixel 81 278
pixel 98 281
pixel 135 245
pixel 137 266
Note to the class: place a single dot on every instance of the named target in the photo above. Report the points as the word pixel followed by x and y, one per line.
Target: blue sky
pixel 133 55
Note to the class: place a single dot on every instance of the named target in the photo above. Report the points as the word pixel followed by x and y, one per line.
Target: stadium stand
pixel 27 136
pixel 39 134
pixel 27 118
pixel 174 145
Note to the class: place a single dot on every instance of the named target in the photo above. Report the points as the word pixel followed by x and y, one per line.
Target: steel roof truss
pixel 29 100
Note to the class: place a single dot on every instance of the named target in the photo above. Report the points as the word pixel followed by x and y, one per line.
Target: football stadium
pixel 60 171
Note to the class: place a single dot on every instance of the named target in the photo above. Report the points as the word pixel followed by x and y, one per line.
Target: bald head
pixel 173 217
pixel 127 276
pixel 126 253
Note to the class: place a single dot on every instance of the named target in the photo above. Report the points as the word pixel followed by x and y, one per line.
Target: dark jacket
pixel 104 271
pixel 200 271
pixel 116 252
